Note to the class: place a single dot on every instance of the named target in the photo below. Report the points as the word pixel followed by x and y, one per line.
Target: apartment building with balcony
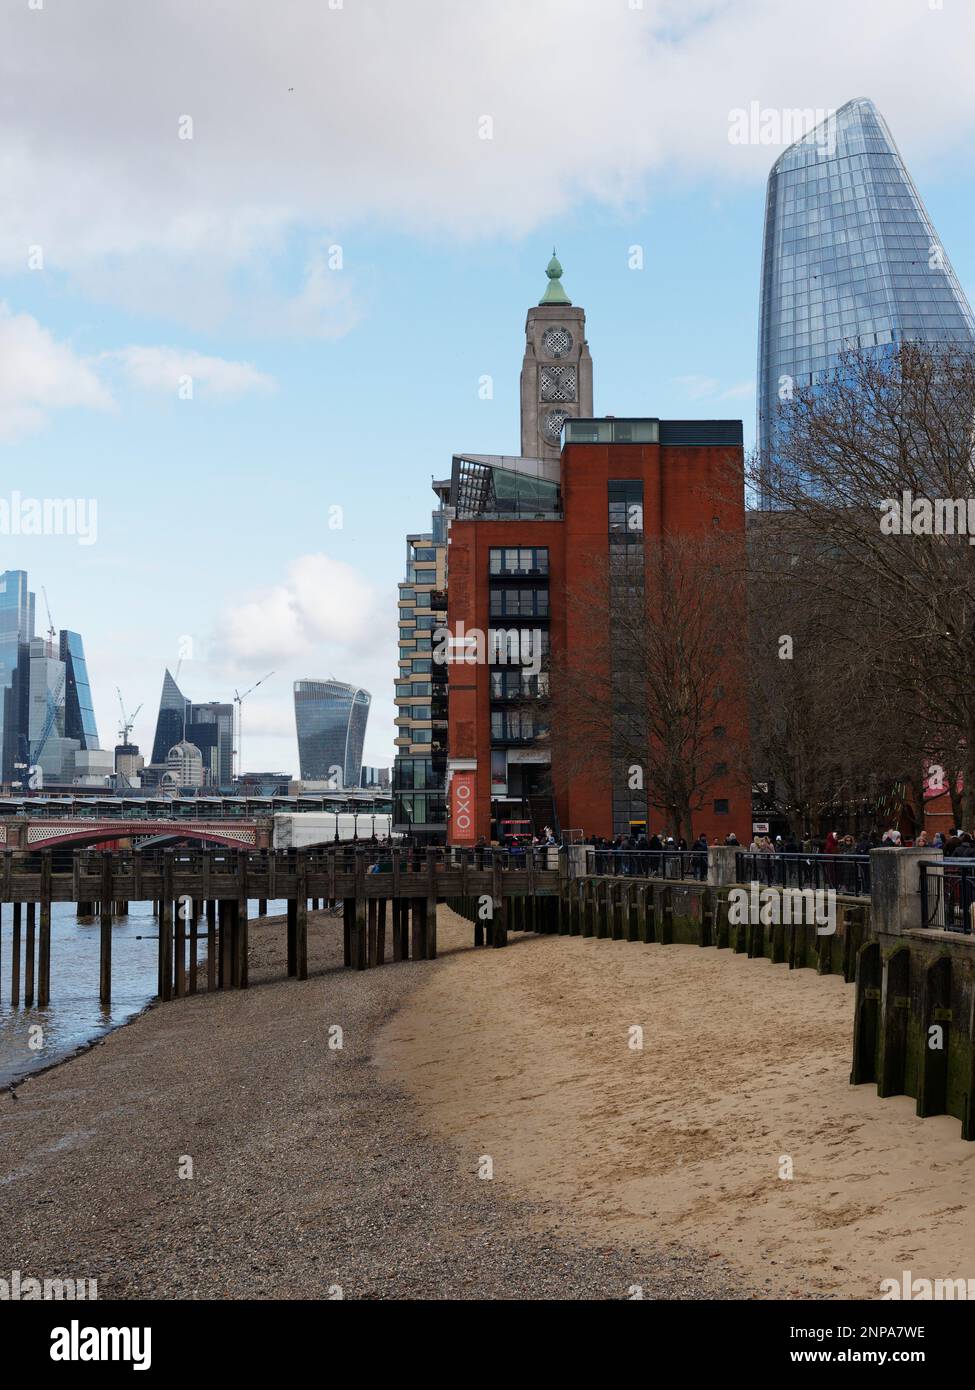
pixel 420 764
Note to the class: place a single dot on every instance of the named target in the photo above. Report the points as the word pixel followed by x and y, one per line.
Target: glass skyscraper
pixel 171 721
pixel 211 727
pixel 16 631
pixel 331 722
pixel 79 710
pixel 851 260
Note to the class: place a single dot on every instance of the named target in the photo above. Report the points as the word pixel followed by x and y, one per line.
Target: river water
pixel 74 1015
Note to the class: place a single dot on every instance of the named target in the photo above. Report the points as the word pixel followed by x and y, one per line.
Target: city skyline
pixel 330 389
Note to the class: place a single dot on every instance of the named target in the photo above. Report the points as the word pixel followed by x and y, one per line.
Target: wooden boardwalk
pixel 395 890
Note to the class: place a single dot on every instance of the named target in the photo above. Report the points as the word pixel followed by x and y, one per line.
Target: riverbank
pixel 743 1079
pixel 312 1170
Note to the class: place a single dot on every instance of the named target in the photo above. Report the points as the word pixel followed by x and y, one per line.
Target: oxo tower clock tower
pixel 556 374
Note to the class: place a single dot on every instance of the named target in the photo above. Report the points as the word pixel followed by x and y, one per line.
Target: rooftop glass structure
pixel 851 260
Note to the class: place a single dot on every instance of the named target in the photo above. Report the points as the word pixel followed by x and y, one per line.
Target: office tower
pixel 851 260
pixel 16 631
pixel 51 751
pixel 79 711
pixel 331 723
pixel 210 727
pixel 171 721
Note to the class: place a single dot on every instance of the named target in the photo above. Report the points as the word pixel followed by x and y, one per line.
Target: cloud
pixel 166 368
pixel 39 375
pixel 324 611
pixel 306 116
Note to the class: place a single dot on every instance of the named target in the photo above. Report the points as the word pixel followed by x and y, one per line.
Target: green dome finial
pixel 554 293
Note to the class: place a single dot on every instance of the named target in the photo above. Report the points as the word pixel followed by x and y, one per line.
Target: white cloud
pixel 325 612
pixel 307 117
pixel 165 368
pixel 39 375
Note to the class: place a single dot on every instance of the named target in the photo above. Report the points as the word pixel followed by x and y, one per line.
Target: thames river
pixel 33 1038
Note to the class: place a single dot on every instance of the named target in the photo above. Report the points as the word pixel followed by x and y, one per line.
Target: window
pixel 406 595
pixel 519 603
pixel 516 726
pixel 422 668
pixel 427 623
pixel 424 553
pixel 419 712
pixel 421 736
pixel 626 508
pixel 526 559
pixel 517 685
pixel 721 807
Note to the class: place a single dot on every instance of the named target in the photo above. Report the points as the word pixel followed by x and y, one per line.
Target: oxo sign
pixel 463 793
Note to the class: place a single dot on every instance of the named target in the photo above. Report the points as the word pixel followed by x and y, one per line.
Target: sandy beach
pixel 523 1054
pixel 313 1172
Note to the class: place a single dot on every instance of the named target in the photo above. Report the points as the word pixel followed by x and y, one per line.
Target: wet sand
pixel 313 1174
pixel 524 1054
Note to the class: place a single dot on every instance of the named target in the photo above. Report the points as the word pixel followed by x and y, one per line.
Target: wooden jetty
pixel 203 894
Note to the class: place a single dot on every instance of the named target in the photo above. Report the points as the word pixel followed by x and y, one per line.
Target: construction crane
pixel 239 702
pixel 50 625
pixel 128 720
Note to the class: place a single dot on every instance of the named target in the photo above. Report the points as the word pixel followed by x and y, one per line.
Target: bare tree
pixel 876 468
pixel 653 686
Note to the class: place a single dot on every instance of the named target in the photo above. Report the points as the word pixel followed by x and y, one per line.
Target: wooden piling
pixel 372 932
pixel 226 944
pixel 211 909
pixel 292 935
pixel 44 944
pixel 29 962
pixel 430 942
pixel 381 933
pixel 166 945
pixel 301 924
pixel 241 923
pixel 105 936
pixel 15 958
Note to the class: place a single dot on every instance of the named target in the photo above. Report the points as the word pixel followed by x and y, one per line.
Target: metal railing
pixel 318 858
pixel 843 873
pixel 947 889
pixel 647 863
pixel 849 875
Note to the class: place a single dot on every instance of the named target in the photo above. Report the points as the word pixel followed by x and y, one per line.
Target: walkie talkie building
pixel 331 722
pixel 851 260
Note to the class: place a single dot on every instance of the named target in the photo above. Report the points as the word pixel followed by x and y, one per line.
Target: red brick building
pixel 524 537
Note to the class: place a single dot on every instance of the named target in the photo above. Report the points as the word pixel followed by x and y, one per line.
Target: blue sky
pixel 316 388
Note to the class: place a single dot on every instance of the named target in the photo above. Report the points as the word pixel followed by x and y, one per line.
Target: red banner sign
pixel 463 801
